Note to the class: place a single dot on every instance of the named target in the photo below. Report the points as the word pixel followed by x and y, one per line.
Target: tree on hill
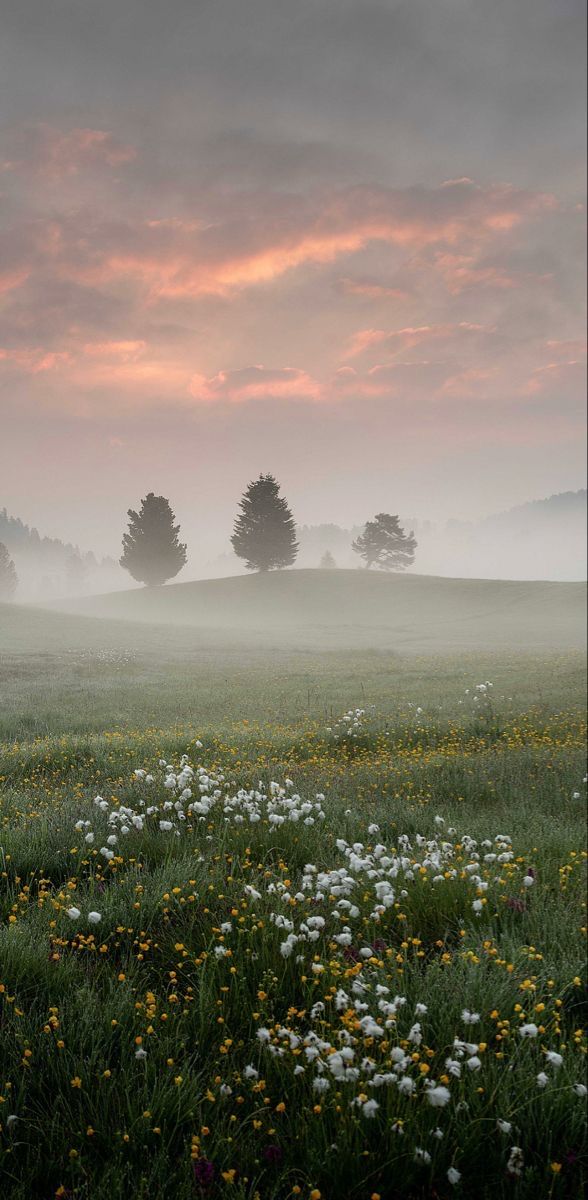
pixel 384 544
pixel 152 552
pixel 327 562
pixel 8 576
pixel 264 533
pixel 75 571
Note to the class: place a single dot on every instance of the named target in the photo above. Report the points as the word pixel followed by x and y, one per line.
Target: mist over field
pixel 293 562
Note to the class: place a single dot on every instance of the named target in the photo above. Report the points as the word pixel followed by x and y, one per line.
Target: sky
pixel 338 240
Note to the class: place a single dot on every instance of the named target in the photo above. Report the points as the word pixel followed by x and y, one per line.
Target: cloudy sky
pixel 339 240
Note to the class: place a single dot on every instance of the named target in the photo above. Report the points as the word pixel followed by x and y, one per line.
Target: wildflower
pixel 553 1058
pixel 140 1054
pixel 470 1018
pixel 542 1080
pixel 438 1096
pixel 204 1172
pixel 73 913
pixel 515 1162
pixel 273 1154
pixel 370 1108
pixel 528 1031
pixel 503 1126
pixel 94 917
pixel 580 1090
pixel 453 1175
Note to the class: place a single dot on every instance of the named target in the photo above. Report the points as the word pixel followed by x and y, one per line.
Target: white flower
pixel 73 913
pixel 94 917
pixel 370 1108
pixel 453 1175
pixel 422 1155
pixel 477 906
pixel 515 1162
pixel 438 1096
pixel 89 838
pixel 528 1031
pixel 528 881
pixel 553 1058
pixel 580 1090
pixel 140 1054
pixel 166 826
pixel 470 1018
pixel 503 1126
pixel 542 1079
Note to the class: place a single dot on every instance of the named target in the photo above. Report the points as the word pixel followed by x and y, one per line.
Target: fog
pixel 543 540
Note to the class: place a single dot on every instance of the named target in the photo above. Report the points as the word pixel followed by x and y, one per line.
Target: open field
pixel 350 984
pixel 404 612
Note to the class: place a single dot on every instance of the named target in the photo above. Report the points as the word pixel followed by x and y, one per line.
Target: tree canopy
pixel 264 533
pixel 384 544
pixel 8 576
pixel 152 552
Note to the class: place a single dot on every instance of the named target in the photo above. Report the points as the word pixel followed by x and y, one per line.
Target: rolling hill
pixel 345 608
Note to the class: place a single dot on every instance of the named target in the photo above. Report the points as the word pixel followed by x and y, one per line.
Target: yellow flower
pixel 556 1168
pixel 76 1082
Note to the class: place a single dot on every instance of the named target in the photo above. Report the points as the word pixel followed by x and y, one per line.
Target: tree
pixel 8 576
pixel 384 544
pixel 264 533
pixel 75 571
pixel 327 561
pixel 151 550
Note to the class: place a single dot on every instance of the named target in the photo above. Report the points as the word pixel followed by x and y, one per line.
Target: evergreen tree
pixel 384 544
pixel 151 550
pixel 264 532
pixel 8 576
pixel 327 561
pixel 75 571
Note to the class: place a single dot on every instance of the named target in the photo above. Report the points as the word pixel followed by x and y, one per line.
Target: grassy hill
pixel 340 608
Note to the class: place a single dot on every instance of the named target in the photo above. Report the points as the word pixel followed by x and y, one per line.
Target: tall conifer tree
pixel 152 552
pixel 264 534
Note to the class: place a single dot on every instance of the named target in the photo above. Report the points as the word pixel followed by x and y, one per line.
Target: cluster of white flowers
pixel 382 877
pixel 183 795
pixel 351 724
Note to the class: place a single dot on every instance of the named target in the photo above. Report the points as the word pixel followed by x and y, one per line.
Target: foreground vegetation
pixel 307 958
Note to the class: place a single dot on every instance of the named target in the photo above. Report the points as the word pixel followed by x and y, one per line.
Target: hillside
pixel 341 608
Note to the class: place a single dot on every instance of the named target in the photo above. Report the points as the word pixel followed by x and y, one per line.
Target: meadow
pixel 288 917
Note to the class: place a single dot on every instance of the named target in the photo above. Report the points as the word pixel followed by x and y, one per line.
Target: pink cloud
pixel 399 341
pixel 258 382
pixel 55 154
pixel 187 259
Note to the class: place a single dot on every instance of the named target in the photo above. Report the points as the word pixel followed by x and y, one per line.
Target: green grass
pixel 84 704
pixel 363 608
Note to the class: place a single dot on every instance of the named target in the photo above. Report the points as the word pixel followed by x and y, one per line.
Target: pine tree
pixel 75 571
pixel 328 562
pixel 151 550
pixel 265 532
pixel 8 576
pixel 384 544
